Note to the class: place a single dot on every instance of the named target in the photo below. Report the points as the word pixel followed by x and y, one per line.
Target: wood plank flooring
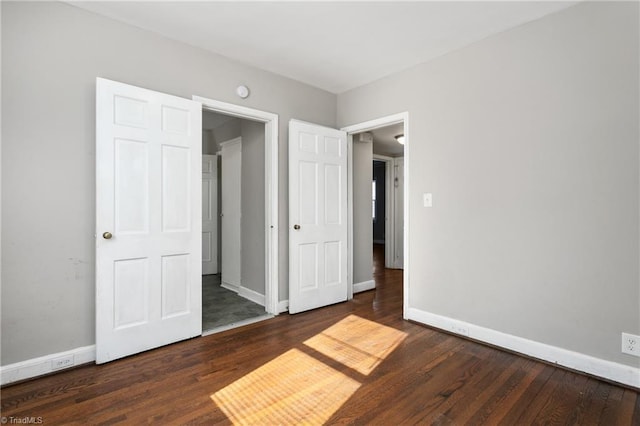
pixel 352 363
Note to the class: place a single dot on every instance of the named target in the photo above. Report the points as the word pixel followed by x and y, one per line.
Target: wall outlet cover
pixel 62 362
pixel 631 344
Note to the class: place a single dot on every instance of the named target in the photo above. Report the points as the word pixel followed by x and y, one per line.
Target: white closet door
pixel 209 214
pixel 231 212
pixel 148 222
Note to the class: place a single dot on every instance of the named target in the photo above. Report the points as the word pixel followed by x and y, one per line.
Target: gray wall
pixel 253 214
pixel 226 132
pixel 528 141
pixel 51 56
pixel 208 143
pixel 379 224
pixel 217 128
pixel 362 221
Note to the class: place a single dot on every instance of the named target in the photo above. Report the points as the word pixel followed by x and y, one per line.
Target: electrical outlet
pixel 460 329
pixel 62 362
pixel 631 344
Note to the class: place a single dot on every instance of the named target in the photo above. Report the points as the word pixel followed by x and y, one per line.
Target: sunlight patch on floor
pixel 357 343
pixel 298 387
pixel 294 388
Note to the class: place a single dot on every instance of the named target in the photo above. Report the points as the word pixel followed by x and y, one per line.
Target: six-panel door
pixel 148 185
pixel 317 216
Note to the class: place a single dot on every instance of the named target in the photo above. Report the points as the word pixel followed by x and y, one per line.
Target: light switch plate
pixel 428 199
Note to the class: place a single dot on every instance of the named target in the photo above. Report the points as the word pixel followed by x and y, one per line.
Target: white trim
pixel 609 370
pixel 379 157
pixel 349 216
pixel 231 287
pixel 230 142
pixel 364 286
pixel 43 365
pixel 402 117
pixel 405 240
pixel 271 188
pixel 377 123
pixel 283 306
pixel 252 295
pixel 245 292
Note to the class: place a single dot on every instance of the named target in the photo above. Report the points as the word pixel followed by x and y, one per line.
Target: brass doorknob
pixel 296 227
pixel 107 235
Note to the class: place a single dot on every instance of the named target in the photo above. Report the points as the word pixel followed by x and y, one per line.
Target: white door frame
pixel 366 126
pixel 270 121
pixel 389 211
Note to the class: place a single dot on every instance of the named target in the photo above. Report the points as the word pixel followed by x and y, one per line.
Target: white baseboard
pixel 230 287
pixel 249 294
pixel 364 286
pixel 45 364
pixel 609 370
pixel 283 306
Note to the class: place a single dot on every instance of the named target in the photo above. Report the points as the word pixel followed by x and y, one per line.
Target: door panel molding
pixel 148 219
pixel 318 212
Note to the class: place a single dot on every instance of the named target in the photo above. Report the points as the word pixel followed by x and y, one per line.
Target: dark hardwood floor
pixel 352 363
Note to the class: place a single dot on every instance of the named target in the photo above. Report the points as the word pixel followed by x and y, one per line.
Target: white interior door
pixel 148 219
pixel 209 214
pixel 317 216
pixel 231 177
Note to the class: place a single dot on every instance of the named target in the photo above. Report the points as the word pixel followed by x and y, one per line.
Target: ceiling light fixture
pixel 400 139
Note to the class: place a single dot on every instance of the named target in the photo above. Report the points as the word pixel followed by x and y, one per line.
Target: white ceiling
pixel 335 46
pixel 384 141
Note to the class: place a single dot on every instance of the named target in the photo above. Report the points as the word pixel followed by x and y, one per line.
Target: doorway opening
pixel 233 285
pixel 382 209
pixel 395 219
pixel 388 179
pixel 328 212
pixel 239 210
